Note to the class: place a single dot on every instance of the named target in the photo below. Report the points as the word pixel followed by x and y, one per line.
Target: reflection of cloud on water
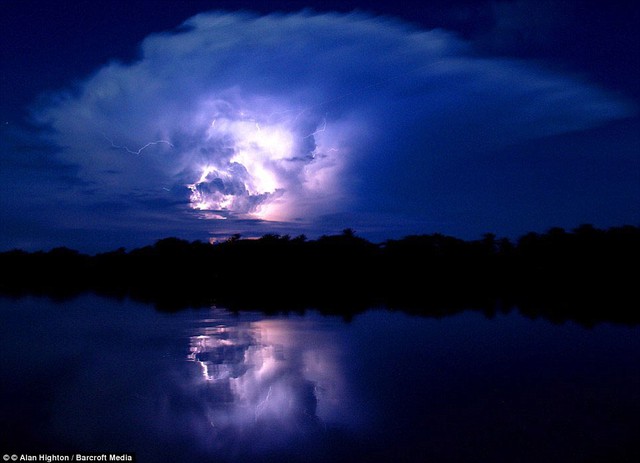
pixel 267 380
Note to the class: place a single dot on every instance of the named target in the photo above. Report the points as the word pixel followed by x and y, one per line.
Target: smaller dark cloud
pixel 592 38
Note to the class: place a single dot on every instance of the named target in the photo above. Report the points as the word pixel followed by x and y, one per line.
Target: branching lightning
pixel 320 130
pixel 137 152
pixel 260 406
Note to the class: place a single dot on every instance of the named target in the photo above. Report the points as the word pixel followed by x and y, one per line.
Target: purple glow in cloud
pixel 282 117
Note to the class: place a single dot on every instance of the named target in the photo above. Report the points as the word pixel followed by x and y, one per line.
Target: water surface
pixel 102 375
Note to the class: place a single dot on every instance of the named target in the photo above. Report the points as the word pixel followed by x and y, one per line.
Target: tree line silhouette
pixel 586 274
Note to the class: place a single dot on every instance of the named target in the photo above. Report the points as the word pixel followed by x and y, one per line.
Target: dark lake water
pixel 101 375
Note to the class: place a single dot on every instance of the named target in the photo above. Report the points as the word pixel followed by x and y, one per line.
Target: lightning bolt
pixel 128 150
pixel 262 404
pixel 320 130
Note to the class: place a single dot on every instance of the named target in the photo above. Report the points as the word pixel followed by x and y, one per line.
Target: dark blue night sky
pixel 126 122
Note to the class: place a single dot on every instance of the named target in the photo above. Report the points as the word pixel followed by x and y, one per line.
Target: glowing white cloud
pixel 285 116
pixel 258 160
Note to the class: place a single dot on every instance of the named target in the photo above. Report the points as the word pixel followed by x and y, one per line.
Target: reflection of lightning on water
pixel 128 150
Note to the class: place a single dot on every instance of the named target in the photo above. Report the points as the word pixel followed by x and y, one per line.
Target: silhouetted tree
pixel 586 274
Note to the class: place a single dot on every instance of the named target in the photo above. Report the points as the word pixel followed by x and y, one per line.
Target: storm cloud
pixel 294 117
